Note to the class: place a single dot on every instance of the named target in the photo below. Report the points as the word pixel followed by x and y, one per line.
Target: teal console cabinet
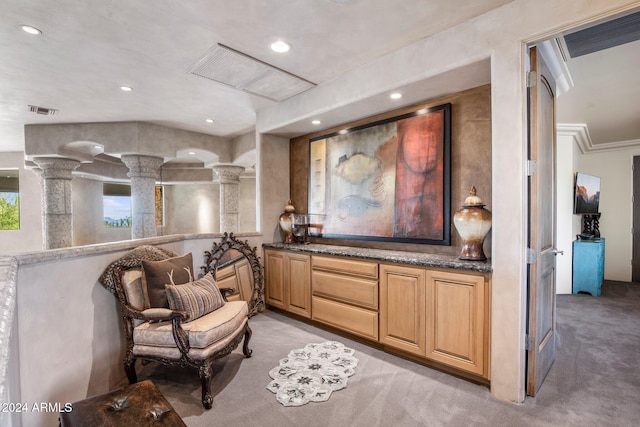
pixel 588 266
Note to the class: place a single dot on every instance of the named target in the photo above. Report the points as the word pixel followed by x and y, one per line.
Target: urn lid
pixel 289 208
pixel 472 199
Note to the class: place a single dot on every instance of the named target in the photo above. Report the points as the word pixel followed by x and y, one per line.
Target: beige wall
pixel 247 205
pixel 193 208
pixel 616 191
pixel 273 172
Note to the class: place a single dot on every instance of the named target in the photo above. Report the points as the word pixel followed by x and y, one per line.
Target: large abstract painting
pixel 387 180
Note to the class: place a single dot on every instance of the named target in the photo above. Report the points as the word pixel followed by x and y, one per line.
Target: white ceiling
pixel 605 95
pixel 89 48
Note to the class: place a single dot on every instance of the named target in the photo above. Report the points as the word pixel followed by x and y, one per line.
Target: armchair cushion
pixel 206 334
pixel 197 298
pixel 156 274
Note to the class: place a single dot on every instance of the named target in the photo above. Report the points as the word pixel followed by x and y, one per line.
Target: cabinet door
pixel 275 278
pixel 298 284
pixel 455 320
pixel 402 308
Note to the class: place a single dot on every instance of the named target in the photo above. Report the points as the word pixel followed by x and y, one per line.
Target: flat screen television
pixel 586 194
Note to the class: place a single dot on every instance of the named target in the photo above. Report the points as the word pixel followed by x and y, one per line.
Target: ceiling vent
pixel 230 67
pixel 42 110
pixel 603 36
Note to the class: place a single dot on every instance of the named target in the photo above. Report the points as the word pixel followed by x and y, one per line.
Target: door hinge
pixel 532 167
pixel 532 255
pixel 532 78
pixel 528 342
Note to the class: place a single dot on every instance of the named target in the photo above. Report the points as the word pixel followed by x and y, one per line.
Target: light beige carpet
pixel 595 380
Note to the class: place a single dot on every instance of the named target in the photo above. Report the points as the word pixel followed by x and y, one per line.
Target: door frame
pixel 526 44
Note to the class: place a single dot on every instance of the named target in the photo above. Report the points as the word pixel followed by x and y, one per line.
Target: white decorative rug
pixel 312 373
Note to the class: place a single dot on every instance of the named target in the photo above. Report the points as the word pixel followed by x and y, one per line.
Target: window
pixel 9 200
pixel 116 202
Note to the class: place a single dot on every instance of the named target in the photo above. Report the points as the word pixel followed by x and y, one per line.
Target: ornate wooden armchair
pixel 188 336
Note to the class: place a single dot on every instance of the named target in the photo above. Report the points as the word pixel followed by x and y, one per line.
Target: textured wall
pixel 273 168
pixel 470 161
pixel 191 208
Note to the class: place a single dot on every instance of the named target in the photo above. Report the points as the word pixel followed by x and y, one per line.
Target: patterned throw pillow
pixel 156 274
pixel 197 298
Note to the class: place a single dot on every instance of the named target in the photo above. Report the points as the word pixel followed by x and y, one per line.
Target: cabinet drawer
pixel 352 319
pixel 358 268
pixel 352 290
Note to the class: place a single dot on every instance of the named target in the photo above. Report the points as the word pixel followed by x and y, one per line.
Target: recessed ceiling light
pixel 126 88
pixel 209 120
pixel 97 147
pixel 31 30
pixel 192 153
pixel 343 132
pixel 395 95
pixel 316 122
pixel 280 46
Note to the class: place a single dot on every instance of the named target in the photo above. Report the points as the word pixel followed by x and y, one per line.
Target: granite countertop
pixel 412 258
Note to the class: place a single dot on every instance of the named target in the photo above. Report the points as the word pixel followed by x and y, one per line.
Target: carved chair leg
pixel 205 378
pixel 130 367
pixel 247 336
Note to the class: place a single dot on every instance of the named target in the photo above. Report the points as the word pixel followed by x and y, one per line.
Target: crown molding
pixel 580 134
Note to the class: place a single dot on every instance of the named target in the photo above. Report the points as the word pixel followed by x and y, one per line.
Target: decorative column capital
pixel 56 167
pixel 142 166
pixel 228 174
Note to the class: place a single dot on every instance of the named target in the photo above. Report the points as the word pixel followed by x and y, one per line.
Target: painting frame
pixel 387 180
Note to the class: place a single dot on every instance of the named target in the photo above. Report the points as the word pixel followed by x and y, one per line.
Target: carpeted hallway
pixel 595 380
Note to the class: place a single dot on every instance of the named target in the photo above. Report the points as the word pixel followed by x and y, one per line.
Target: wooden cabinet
pixel 288 280
pixel 345 294
pixel 456 317
pixel 435 314
pixel 438 315
pixel 402 308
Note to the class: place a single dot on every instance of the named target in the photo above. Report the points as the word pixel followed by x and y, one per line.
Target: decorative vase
pixel 473 222
pixel 286 222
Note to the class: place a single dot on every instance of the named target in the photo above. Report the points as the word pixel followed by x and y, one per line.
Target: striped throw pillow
pixel 197 298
